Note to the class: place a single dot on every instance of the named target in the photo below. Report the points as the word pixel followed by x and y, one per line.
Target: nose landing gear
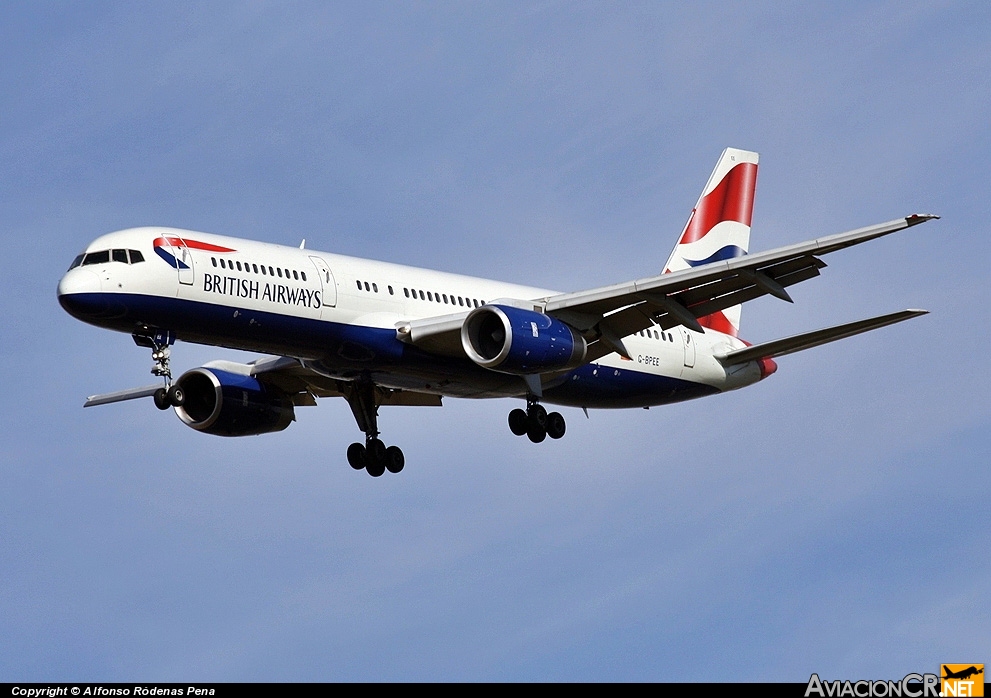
pixel 160 343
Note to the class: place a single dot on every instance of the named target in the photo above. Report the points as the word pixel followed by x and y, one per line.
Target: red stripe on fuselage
pixel 731 200
pixel 192 244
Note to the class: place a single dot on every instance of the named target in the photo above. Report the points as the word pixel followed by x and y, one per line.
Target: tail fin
pixel 719 227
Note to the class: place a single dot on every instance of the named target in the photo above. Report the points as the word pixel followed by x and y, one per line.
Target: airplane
pixel 963 673
pixel 380 334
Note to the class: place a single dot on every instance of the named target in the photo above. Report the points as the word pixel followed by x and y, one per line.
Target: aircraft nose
pixel 79 293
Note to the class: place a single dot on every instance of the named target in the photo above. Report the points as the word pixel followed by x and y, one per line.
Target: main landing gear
pixel 536 423
pixel 160 343
pixel 373 456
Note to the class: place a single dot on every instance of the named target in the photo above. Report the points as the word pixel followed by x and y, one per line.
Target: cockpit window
pixel 104 256
pixel 101 257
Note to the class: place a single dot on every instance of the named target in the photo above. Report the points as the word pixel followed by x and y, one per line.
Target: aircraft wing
pixel 305 385
pixel 121 395
pixel 294 378
pixel 605 315
pixel 800 342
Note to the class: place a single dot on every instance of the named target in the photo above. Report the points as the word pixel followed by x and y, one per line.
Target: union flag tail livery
pixel 719 227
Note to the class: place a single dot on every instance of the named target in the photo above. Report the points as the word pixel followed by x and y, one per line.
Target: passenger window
pixel 238 265
pixel 280 272
pixel 375 287
pixel 255 267
pixel 445 298
pixel 271 271
pixel 367 288
pixel 295 275
pixel 391 292
pixel 430 296
pixel 421 296
pixel 406 291
pixel 264 273
pixel 303 274
pixel 214 260
pixel 359 284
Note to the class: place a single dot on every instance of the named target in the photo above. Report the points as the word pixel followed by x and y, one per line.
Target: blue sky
pixel 832 519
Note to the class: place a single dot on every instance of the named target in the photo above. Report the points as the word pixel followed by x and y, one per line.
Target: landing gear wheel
pixel 356 456
pixel 161 399
pixel 375 457
pixel 375 468
pixel 537 415
pixel 555 425
pixel 517 422
pixel 375 450
pixel 394 459
pixel 177 396
pixel 536 433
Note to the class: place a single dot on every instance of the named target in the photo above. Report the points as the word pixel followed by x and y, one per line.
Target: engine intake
pixel 229 404
pixel 513 340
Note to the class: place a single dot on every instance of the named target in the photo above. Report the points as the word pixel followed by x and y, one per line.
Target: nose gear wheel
pixel 160 344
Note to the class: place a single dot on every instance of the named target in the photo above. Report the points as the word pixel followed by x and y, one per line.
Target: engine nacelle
pixel 229 404
pixel 513 340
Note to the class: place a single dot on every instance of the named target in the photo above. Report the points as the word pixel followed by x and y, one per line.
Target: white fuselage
pixel 339 315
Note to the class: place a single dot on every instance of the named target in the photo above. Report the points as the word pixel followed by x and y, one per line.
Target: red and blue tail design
pixel 719 227
pixel 168 247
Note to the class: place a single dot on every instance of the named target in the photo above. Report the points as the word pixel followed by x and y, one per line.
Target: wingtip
pixel 917 218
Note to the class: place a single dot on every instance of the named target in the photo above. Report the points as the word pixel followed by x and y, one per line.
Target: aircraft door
pixel 185 259
pixel 329 295
pixel 689 347
pixel 182 260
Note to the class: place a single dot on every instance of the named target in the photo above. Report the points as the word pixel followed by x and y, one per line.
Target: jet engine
pixel 229 404
pixel 514 340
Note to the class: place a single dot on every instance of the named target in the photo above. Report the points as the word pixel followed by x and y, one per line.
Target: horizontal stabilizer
pixel 790 345
pixel 121 395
